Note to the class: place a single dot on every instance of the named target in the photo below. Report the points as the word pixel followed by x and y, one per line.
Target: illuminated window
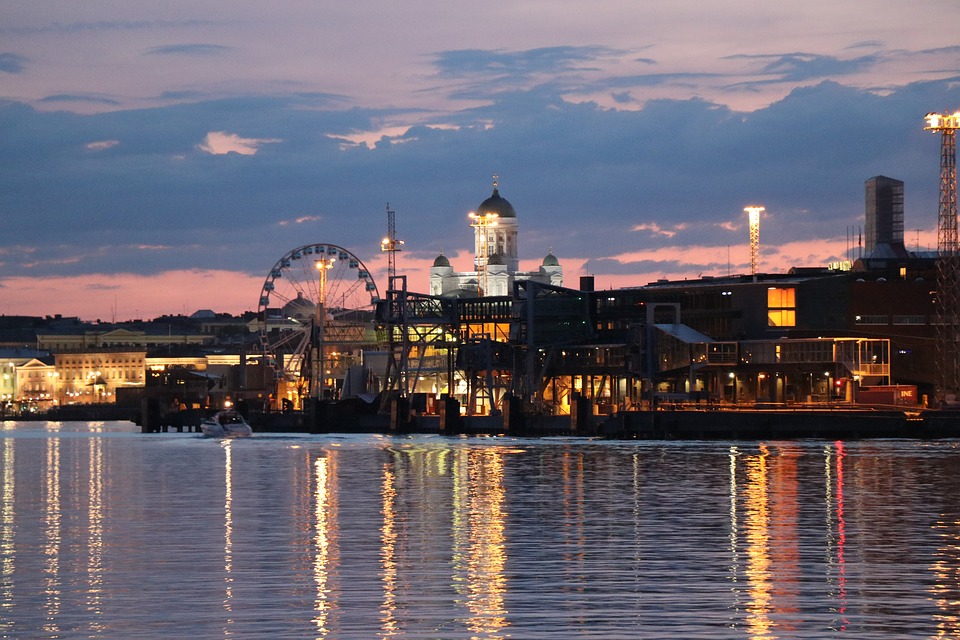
pixel 781 307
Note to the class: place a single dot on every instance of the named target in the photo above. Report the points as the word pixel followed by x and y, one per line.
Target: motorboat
pixel 226 424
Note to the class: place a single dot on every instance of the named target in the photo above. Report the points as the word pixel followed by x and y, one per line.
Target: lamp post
pixel 323 265
pixel 753 214
pixel 948 255
pixel 390 245
pixel 482 223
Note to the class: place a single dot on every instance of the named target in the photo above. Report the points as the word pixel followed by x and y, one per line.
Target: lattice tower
pixel 948 262
pixel 390 245
pixel 754 214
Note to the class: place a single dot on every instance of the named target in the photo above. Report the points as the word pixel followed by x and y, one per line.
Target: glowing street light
pixel 482 223
pixel 754 216
pixel 948 261
pixel 390 245
pixel 323 265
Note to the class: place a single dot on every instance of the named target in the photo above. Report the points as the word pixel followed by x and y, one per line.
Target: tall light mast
pixel 323 265
pixel 948 269
pixel 754 216
pixel 482 223
pixel 390 245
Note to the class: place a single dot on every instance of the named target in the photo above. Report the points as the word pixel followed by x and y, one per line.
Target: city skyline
pixel 159 159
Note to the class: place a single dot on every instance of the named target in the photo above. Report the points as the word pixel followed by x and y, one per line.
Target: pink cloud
pixel 221 142
pixel 128 296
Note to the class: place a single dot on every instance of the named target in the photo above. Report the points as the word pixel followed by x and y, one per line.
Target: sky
pixel 159 158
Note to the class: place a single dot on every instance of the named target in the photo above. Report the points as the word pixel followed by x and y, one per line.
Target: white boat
pixel 226 424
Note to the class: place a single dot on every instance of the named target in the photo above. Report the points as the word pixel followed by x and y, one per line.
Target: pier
pixel 670 423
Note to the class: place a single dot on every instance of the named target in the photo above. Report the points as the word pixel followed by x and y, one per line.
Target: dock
pixel 667 423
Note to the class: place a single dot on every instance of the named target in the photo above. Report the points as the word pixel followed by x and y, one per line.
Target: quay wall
pixel 679 424
pixel 786 425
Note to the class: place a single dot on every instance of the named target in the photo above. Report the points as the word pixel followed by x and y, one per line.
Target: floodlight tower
pixel 754 215
pixel 390 245
pixel 323 265
pixel 948 268
pixel 482 223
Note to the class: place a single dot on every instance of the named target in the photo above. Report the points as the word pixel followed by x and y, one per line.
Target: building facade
pixel 496 262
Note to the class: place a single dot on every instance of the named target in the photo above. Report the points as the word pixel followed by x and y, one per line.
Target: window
pixel 873 319
pixel 781 307
pixel 909 320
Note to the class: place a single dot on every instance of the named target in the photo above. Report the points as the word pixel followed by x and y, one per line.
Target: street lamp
pixel 323 265
pixel 482 223
pixel 753 213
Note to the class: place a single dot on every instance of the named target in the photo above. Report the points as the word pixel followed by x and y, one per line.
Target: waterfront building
pixel 144 335
pixel 36 384
pixel 814 334
pixel 496 263
pixel 95 377
pixel 12 359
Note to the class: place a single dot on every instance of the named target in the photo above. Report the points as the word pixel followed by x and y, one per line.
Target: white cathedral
pixel 496 259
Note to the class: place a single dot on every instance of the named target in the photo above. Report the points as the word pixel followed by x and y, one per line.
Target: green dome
pixel 550 260
pixel 441 261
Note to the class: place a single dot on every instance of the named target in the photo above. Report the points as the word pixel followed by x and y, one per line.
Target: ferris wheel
pixel 307 282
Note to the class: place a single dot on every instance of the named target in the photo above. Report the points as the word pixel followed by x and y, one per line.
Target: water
pixel 109 533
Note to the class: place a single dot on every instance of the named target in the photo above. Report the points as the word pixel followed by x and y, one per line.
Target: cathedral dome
pixel 550 260
pixel 441 261
pixel 299 308
pixel 498 205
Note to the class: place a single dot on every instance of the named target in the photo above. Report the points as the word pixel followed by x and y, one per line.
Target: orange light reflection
pixel 325 541
pixel 479 542
pixel 757 529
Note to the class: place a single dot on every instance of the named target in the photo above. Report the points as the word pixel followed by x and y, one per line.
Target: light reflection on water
pixel 106 533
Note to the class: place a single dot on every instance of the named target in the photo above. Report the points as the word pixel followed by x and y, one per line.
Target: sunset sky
pixel 159 158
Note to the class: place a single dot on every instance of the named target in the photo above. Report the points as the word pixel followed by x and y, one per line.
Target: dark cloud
pixel 68 97
pixel 581 177
pixel 182 95
pixel 195 49
pixel 802 67
pixel 12 63
pixel 518 64
pixel 867 44
pixel 648 80
pixel 615 267
pixel 104 25
pixel 954 49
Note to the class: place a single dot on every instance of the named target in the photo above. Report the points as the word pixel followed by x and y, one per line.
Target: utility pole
pixel 948 269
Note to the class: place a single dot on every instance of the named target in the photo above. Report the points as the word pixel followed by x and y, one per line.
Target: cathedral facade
pixel 496 261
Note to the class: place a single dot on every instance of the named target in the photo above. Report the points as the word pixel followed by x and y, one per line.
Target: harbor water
pixel 106 532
